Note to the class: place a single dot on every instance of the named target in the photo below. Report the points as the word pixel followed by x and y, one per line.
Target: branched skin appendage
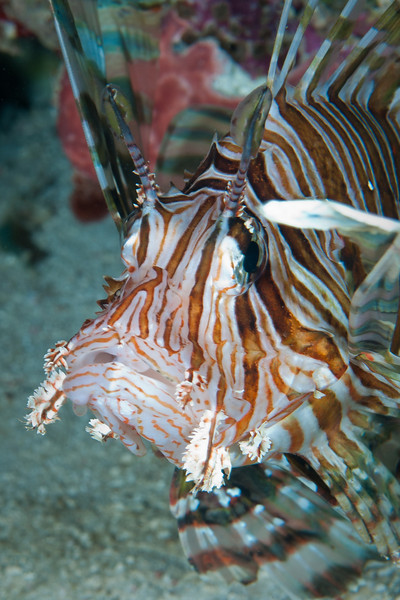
pixel 55 357
pixel 257 446
pixel 100 431
pixel 45 402
pixel 207 473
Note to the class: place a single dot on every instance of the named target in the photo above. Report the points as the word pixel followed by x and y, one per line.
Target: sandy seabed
pixel 80 520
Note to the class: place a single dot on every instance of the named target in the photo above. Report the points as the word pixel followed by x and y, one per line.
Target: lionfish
pixel 253 338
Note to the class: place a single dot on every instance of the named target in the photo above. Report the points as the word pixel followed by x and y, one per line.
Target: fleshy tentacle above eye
pixel 147 195
pixel 247 129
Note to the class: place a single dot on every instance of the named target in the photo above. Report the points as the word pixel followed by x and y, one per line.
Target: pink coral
pixel 185 80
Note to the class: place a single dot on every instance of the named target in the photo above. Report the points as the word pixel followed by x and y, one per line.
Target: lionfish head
pixel 158 346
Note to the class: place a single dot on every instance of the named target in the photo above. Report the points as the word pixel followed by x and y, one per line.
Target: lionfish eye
pixel 250 261
pixel 255 254
pixel 246 246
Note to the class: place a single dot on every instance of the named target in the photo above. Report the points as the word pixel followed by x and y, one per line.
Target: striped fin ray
pixel 271 76
pixel 247 128
pixel 375 315
pixel 352 86
pixel 358 131
pixel 363 87
pixel 277 82
pixel 368 61
pixel 249 118
pixel 336 39
pixel 366 86
pixel 80 23
pixel 265 518
pixel 131 41
pixel 87 44
pixel 118 102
